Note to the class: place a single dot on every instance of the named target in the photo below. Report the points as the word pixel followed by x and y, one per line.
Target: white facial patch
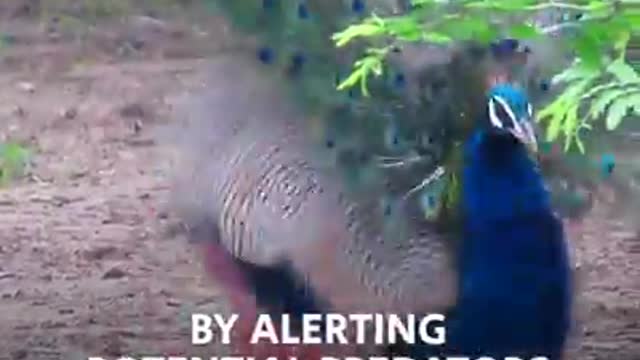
pixel 522 130
pixel 493 115
pixel 495 120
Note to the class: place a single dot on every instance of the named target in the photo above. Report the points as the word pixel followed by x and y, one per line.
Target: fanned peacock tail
pixel 578 180
pixel 295 38
pixel 402 141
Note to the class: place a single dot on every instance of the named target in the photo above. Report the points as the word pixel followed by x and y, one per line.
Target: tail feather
pixel 607 172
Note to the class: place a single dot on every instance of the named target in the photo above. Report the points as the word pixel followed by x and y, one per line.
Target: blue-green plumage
pixel 608 164
pixel 515 277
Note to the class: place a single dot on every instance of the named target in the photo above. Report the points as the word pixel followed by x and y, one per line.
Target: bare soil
pixel 91 262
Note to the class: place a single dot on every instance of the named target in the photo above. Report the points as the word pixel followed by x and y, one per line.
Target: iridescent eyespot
pixel 265 55
pixel 297 61
pixel 303 11
pixel 544 86
pixel 357 6
pixel 399 80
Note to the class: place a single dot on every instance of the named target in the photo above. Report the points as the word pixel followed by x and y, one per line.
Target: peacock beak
pixel 526 134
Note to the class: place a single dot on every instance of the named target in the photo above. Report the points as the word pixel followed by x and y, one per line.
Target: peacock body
pixel 419 198
pixel 514 268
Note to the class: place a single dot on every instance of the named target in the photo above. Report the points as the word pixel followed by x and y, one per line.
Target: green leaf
pixel 617 111
pixel 463 28
pixel 623 72
pixel 634 101
pixel 437 38
pixel 571 119
pixel 633 19
pixel 577 71
pixel 621 43
pixel 588 50
pixel 421 2
pixel 555 113
pixel 620 108
pixel 599 89
pixel 404 28
pixel 573 92
pixel 599 105
pixel 563 112
pixel 370 64
pixel 511 5
pixel 523 31
pixel 354 31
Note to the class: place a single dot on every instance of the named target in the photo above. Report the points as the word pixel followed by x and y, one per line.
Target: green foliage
pixel 13 159
pixel 371 63
pixel 596 85
pixel 612 94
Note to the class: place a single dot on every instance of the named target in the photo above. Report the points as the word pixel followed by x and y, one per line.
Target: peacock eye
pixel 504 117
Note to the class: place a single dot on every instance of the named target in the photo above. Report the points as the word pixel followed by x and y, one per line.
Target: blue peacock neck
pixel 501 181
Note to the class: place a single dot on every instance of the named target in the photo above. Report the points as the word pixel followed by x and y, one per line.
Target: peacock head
pixel 509 115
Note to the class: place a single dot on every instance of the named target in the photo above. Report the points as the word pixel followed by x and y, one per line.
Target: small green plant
pixel 599 84
pixel 13 160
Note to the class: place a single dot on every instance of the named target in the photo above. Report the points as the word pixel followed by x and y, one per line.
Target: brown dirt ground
pixel 90 261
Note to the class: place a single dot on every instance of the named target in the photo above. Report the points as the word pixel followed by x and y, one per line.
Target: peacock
pixel 423 197
pixel 514 275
